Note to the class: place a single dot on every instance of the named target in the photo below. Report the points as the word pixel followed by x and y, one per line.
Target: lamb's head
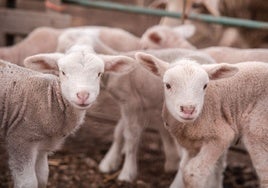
pixel 79 72
pixel 185 83
pixel 160 36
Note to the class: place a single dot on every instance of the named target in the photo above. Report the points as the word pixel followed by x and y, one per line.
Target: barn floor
pixel 76 164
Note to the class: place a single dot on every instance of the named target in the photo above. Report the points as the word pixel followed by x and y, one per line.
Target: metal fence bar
pixel 155 12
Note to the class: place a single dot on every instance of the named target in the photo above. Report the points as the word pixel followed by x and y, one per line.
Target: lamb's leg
pixel 171 150
pixel 113 157
pixel 132 134
pixel 22 159
pixel 41 168
pixel 216 178
pixel 199 169
pixel 178 181
pixel 257 148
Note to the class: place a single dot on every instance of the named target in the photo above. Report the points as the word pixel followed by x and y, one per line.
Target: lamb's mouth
pixel 187 118
pixel 83 106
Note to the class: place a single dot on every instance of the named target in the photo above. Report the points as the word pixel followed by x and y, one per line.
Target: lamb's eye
pixel 99 74
pixel 205 86
pixel 63 73
pixel 168 86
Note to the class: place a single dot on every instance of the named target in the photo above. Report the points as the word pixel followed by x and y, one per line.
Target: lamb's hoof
pixel 127 177
pixel 107 167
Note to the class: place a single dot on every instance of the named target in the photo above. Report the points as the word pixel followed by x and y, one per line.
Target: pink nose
pixel 188 109
pixel 82 95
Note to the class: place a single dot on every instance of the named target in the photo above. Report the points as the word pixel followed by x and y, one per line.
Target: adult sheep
pixel 38 111
pixel 223 36
pixel 207 107
pixel 140 98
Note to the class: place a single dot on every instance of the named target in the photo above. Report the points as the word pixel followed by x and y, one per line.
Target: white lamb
pixel 38 111
pixel 236 55
pixel 40 40
pixel 160 36
pixel 140 98
pixel 105 40
pixel 207 107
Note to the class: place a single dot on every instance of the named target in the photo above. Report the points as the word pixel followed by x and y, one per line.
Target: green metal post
pixel 155 12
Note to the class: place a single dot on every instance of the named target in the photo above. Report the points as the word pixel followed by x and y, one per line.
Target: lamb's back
pixel 30 103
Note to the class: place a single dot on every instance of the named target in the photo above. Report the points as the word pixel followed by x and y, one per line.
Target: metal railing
pixel 155 12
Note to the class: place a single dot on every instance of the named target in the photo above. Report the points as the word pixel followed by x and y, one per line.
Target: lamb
pixel 40 40
pixel 207 107
pixel 38 111
pixel 236 54
pixel 105 40
pixel 166 37
pixel 160 36
pixel 140 107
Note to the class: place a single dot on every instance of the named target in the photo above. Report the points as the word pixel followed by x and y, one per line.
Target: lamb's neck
pixel 71 113
pixel 81 47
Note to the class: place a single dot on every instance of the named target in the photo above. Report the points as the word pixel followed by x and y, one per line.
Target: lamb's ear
pixel 185 31
pixel 218 71
pixel 118 64
pixel 152 63
pixel 155 36
pixel 46 63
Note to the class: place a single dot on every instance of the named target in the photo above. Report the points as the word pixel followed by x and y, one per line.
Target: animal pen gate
pixel 31 14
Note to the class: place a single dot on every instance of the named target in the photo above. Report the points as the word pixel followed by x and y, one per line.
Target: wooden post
pixel 31 5
pixel 2 39
pixel 11 4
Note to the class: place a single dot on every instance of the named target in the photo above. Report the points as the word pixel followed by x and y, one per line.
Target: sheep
pixel 105 40
pixel 252 10
pixel 140 100
pixel 160 36
pixel 38 111
pixel 165 37
pixel 40 40
pixel 207 107
pixel 223 36
pixel 236 55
